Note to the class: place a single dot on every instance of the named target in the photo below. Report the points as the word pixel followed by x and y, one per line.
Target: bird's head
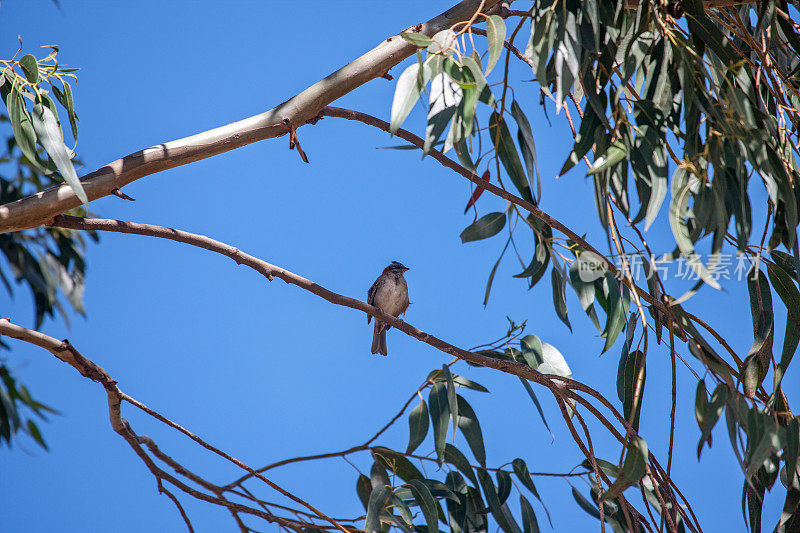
pixel 396 268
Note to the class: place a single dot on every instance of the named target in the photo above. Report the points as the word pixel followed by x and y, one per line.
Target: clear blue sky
pixel 267 371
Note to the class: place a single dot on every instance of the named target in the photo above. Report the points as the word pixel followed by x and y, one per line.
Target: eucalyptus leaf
pixel 49 134
pixel 496 36
pixel 485 227
pixel 418 426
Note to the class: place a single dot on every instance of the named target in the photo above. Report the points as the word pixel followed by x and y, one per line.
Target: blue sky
pixel 267 371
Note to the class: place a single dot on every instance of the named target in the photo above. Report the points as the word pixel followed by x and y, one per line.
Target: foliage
pixel 711 96
pixel 687 101
pixel 48 261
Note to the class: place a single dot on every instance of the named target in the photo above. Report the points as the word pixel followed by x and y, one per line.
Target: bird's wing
pixel 371 295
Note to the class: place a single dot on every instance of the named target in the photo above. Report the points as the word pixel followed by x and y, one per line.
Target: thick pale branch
pixel 37 209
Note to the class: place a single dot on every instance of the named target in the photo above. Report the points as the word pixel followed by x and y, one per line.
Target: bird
pixel 389 293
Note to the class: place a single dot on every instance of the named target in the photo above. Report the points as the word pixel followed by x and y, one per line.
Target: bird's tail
pixel 379 338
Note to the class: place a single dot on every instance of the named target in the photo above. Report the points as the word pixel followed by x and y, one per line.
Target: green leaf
pixel 524 476
pixel 490 281
pixel 615 153
pixel 707 413
pixel 503 485
pixel 788 292
pixel 440 414
pixel 406 93
pixel 681 194
pixel 758 358
pixel 559 298
pixel 417 426
pixel 471 429
pixel 529 523
pixel 583 140
pixel 426 503
pixel 541 255
pixel 377 502
pixel 584 289
pixel 554 362
pixel 633 468
pixel 66 100
pixel 454 456
pixel 34 432
pixel 402 508
pixel 496 36
pixel 527 147
pixel 378 476
pixel 585 504
pixel 22 127
pixel 461 125
pixel 445 96
pixel 461 381
pixel 452 403
pixel 30 67
pixel 47 129
pixel 532 351
pixel 363 489
pixel 536 403
pixel 485 227
pixel 507 152
pixel 615 320
pixel 417 39
pixel 658 192
pixel 630 380
pixel 397 463
pixel 500 512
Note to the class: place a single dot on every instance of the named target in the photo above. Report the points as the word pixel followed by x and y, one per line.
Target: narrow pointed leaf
pixel 397 463
pixel 29 67
pixel 454 456
pixel 471 429
pixel 496 36
pixel 477 192
pixel 426 503
pixel 409 86
pixel 377 502
pixel 504 519
pixel 559 298
pixel 48 131
pixel 507 152
pixel 417 39
pixel 536 403
pixel 452 403
pixel 24 132
pixel 616 153
pixel 417 426
pixel 440 414
pixel 485 227
pixel 529 523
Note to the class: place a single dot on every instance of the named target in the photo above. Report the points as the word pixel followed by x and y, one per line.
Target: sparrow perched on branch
pixel 389 293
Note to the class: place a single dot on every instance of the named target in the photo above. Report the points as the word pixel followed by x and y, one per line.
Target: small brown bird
pixel 389 293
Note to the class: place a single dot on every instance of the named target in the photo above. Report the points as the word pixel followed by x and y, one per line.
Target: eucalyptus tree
pixel 677 109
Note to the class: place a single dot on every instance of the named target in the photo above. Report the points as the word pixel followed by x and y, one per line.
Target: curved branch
pixel 64 351
pixel 271 271
pixel 37 209
pixel 502 193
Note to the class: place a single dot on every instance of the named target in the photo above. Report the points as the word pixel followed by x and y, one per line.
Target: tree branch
pixel 64 351
pixel 37 209
pixel 271 271
pixel 502 193
pixel 558 385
